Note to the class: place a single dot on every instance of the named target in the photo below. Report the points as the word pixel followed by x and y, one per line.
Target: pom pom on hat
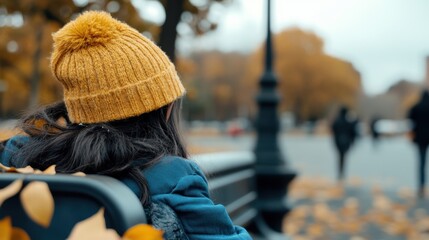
pixel 89 29
pixel 109 71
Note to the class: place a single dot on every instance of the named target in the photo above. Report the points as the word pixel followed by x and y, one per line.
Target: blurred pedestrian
pixel 344 133
pixel 419 116
pixel 375 133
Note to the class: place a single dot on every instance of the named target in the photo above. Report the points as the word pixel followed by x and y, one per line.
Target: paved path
pixel 390 164
pixel 378 202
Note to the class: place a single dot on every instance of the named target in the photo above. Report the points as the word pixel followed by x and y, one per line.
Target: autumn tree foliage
pixel 212 80
pixel 311 82
pixel 25 39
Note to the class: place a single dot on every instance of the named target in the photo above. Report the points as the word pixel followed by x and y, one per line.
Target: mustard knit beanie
pixel 109 71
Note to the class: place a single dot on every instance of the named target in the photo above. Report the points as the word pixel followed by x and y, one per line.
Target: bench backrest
pixel 232 183
pixel 76 198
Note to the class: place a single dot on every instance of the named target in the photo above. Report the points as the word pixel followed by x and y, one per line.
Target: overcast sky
pixel 386 40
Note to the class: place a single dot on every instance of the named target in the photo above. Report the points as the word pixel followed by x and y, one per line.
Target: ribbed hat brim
pixel 128 101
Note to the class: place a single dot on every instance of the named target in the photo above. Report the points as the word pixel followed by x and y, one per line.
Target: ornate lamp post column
pixel 272 171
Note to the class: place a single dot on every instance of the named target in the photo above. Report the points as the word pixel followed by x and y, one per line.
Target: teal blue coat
pixel 180 184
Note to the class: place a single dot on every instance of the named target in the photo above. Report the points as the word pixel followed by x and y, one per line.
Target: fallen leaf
pixel 143 232
pixel 3 167
pixel 354 182
pixel 381 202
pixel 350 226
pixel 357 238
pixel 93 228
pixel 5 228
pixel 19 234
pixel 291 228
pixel 405 193
pixel 321 211
pixel 10 191
pixel 302 237
pixel 80 174
pixel 50 170
pixel 315 230
pixel 299 212
pixel 38 203
pixel 335 192
pixel 27 169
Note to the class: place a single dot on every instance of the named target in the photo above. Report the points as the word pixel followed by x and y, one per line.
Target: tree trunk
pixel 167 38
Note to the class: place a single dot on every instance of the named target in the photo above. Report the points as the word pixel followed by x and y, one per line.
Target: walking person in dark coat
pixel 344 133
pixel 419 116
pixel 375 134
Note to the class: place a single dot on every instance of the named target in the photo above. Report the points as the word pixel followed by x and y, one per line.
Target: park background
pixel 367 55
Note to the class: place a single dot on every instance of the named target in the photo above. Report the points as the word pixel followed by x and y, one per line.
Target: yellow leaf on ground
pixel 143 232
pixel 38 203
pixel 381 202
pixel 315 230
pixel 5 228
pixel 93 228
pixel 10 191
pixel 292 228
pixel 50 170
pixel 19 234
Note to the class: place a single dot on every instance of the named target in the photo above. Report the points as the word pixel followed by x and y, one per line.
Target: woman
pixel 120 117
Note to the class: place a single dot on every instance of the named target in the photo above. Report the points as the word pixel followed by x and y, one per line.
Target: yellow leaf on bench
pixel 19 234
pixel 93 228
pixel 38 203
pixel 10 191
pixel 7 232
pixel 50 170
pixel 143 232
pixel 27 169
pixel 80 174
pixel 5 228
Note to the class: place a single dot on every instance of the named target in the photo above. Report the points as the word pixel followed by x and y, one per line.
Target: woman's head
pixel 95 148
pixel 109 71
pixel 121 103
pixel 119 148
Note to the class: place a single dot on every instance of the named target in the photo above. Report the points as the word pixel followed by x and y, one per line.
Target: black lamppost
pixel 272 171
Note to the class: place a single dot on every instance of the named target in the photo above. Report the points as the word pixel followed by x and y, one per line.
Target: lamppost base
pixel 261 231
pixel 272 183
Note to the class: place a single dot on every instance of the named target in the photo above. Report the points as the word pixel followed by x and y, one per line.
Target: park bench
pixel 76 198
pixel 231 179
pixel 232 183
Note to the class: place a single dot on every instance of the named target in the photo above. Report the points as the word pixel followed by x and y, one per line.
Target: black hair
pixel 118 148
